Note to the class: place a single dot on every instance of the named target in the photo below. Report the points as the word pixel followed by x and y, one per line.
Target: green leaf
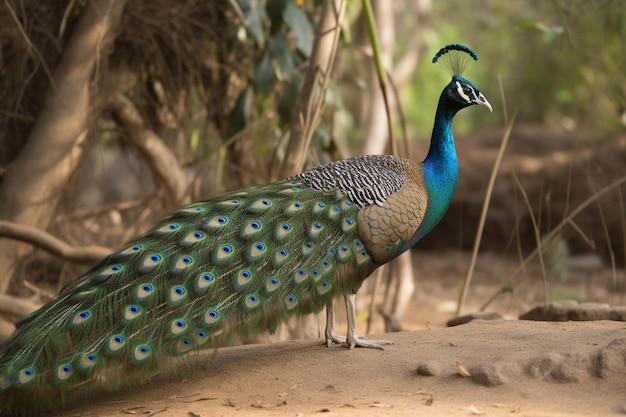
pixel 300 25
pixel 548 34
pixel 289 99
pixel 280 51
pixel 240 114
pixel 274 10
pixel 507 288
pixel 264 73
pixel 194 141
pixel 253 18
pixel 564 95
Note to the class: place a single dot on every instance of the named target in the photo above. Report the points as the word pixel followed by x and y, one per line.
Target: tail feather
pixel 245 261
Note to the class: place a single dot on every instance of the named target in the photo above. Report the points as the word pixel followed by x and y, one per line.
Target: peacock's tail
pixel 246 260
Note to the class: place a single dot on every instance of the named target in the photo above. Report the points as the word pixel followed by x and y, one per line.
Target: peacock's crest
pixel 455 58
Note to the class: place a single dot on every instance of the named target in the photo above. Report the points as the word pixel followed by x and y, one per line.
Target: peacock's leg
pixel 331 336
pixel 352 338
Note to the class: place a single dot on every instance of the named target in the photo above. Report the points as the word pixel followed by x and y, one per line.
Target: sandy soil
pixel 544 369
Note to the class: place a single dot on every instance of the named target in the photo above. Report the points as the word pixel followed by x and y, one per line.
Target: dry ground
pixel 546 369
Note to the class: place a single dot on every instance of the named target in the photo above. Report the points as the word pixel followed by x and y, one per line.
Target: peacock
pixel 245 260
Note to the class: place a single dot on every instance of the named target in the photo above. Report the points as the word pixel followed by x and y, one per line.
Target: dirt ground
pixel 545 369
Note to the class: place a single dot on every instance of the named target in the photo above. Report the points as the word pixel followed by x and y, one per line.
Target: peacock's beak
pixel 482 101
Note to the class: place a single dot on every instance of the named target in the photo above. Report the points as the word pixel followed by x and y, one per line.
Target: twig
pixel 47 242
pixel 537 238
pixel 483 214
pixel 96 211
pixel 29 45
pixel 608 242
pixel 66 16
pixel 554 232
pixel 621 206
pixel 402 117
pixel 503 99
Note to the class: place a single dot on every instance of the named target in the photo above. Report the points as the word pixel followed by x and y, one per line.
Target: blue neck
pixel 441 170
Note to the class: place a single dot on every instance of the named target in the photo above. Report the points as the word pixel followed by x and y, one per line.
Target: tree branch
pixel 31 188
pixel 309 108
pixel 49 243
pixel 161 160
pixel 405 66
pixel 16 307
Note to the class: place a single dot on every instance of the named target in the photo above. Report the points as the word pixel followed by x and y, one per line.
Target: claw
pixel 374 344
pixel 352 340
pixel 334 338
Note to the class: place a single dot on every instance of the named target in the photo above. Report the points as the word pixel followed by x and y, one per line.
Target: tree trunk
pixel 32 187
pixel 376 130
pixel 375 143
pixel 308 114
pixel 309 108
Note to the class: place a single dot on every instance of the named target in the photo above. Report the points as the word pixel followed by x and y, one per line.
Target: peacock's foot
pixel 332 337
pixel 355 341
pixel 358 341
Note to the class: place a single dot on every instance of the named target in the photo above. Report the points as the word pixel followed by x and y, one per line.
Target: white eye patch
pixel 459 88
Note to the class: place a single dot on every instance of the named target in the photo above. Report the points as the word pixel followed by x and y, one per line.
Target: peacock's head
pixel 463 93
pixel 460 93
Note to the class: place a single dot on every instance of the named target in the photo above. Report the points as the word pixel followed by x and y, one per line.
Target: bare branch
pixel 47 242
pixel 405 66
pixel 31 188
pixel 378 113
pixel 96 211
pixel 6 329
pixel 309 108
pixel 16 307
pixel 161 160
pixel 29 45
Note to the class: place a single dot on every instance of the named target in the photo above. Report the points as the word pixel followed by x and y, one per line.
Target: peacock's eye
pixel 467 90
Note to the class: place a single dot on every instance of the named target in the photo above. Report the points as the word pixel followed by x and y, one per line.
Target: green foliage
pixel 566 295
pixel 284 35
pixel 507 288
pixel 559 63
pixel 558 60
pixel 548 34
